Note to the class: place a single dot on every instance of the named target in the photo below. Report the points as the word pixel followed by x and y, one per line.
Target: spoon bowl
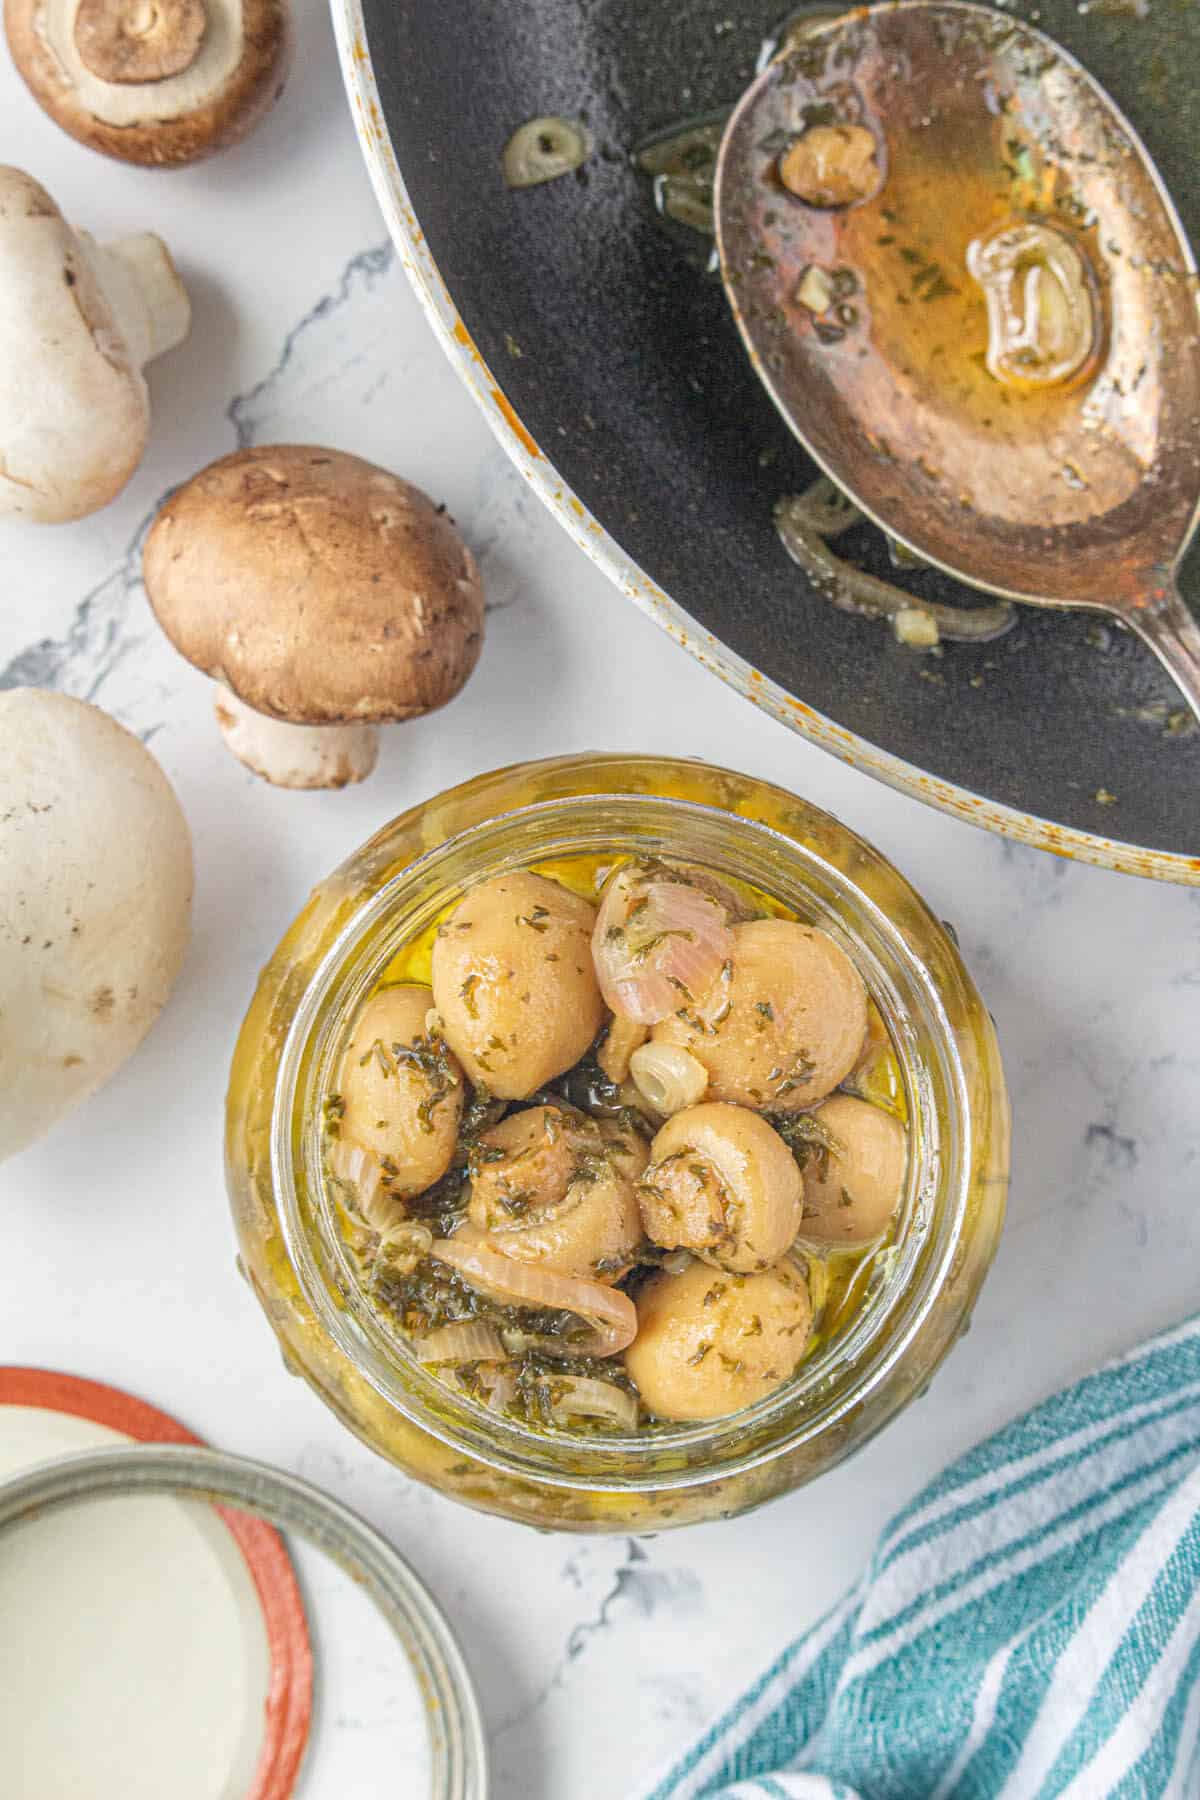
pixel 994 347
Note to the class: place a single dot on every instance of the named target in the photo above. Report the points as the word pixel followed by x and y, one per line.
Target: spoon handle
pixel 1167 625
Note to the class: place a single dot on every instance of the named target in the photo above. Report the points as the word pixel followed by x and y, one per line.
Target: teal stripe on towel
pixel 800 1709
pixel 1029 1628
pixel 1153 1770
pixel 1162 1368
pixel 1121 1436
pixel 1133 1660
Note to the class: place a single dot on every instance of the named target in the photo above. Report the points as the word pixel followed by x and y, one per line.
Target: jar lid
pixel 164 1646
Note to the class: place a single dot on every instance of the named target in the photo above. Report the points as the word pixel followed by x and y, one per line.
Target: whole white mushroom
pixel 78 323
pixel 95 904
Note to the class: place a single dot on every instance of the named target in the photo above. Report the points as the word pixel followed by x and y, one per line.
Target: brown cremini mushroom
pixel 326 596
pixel 158 82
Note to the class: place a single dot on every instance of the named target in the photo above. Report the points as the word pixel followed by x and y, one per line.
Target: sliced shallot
pixel 659 944
pixel 521 1343
pixel 361 1170
pixel 611 1313
pixel 467 1340
pixel 503 1389
pixel 587 1398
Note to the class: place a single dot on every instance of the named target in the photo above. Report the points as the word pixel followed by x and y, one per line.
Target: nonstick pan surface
pixel 611 367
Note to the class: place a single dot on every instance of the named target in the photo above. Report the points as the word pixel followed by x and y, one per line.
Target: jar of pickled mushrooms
pixel 616 1142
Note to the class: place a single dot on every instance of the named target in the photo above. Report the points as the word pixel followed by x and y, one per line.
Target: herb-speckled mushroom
pixel 514 984
pixel 852 1189
pixel 709 1344
pixel 782 1025
pixel 723 1184
pixel 401 1090
pixel 556 1188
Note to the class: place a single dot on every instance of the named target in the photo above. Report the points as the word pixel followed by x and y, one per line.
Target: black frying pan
pixel 632 379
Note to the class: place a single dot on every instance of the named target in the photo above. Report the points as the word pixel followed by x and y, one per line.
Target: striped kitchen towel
pixel 1028 1627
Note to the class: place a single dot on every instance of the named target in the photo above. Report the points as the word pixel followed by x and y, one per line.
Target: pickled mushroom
pixel 556 1188
pixel 400 1092
pixel 514 984
pixel 852 1188
pixel 709 1344
pixel 786 1025
pixel 723 1184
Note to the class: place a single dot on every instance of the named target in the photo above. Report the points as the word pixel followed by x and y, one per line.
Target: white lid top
pixel 134 1658
pixel 161 1647
pixel 149 1645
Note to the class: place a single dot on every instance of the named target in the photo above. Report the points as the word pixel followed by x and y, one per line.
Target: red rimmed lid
pixel 173 1626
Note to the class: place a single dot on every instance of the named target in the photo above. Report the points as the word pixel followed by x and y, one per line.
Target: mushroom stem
pixel 296 756
pixel 142 286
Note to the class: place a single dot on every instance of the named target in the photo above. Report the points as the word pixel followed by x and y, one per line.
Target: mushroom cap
pixel 557 1189
pixel 786 1028
pixel 95 902
pixel 94 66
pixel 75 407
pixel 851 1194
pixel 401 1091
pixel 723 1183
pixel 514 984
pixel 321 589
pixel 709 1344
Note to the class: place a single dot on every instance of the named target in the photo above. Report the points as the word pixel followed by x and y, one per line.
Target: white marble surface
pixel 594 1659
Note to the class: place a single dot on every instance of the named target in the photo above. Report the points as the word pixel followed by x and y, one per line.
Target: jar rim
pixel 826 1388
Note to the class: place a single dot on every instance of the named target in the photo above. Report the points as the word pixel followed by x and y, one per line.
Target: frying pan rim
pixel 592 537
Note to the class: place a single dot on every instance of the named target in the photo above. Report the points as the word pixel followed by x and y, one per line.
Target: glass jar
pixel 395 887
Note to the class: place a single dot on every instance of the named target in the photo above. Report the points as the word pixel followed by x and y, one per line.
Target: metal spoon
pixel 994 347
